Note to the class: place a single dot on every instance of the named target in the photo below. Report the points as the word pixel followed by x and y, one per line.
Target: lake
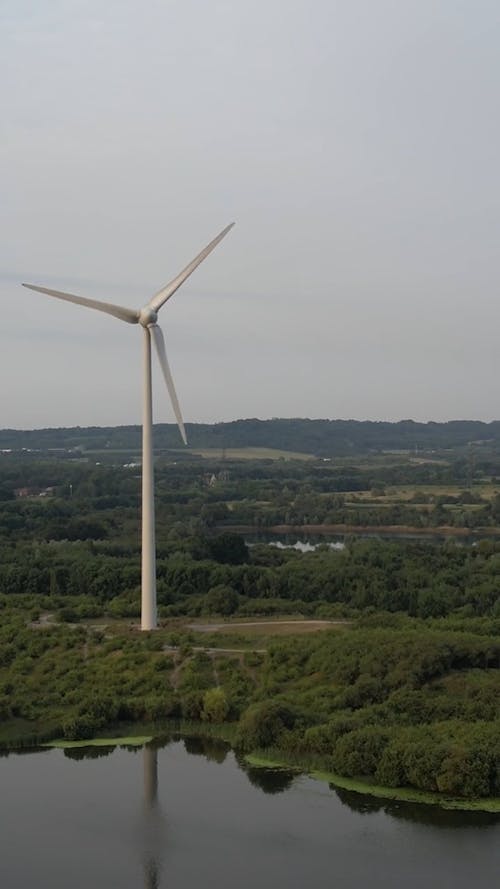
pixel 188 815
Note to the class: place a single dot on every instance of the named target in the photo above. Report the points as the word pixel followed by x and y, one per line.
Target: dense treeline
pixel 320 437
pixel 407 693
pixel 81 543
pixel 406 705
pixel 221 575
pixel 257 493
pixel 398 707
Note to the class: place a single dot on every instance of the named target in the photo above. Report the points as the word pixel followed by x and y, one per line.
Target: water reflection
pixel 150 830
pixel 273 781
pixel 22 751
pixel 358 802
pixel 304 544
pixel 79 753
pixel 219 828
pixel 150 759
pixel 418 813
pixel 153 821
pixel 212 749
pixel 268 780
pixel 151 875
pixel 278 780
pixel 215 750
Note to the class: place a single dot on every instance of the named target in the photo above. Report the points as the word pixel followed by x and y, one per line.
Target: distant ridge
pixel 323 438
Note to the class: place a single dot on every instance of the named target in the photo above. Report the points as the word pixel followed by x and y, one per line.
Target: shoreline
pixel 397 794
pixel 275 760
pixel 126 741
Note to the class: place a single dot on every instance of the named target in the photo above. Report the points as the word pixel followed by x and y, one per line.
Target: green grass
pixel 16 730
pixel 404 493
pixel 131 741
pixel 267 762
pixel 250 454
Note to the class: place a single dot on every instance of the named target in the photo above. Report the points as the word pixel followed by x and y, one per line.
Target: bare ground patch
pixel 269 627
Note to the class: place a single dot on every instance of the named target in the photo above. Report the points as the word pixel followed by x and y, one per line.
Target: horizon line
pixel 256 420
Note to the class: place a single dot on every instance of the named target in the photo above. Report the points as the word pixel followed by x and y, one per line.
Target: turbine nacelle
pixel 147 316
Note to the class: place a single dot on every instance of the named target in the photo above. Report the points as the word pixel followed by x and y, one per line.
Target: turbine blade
pixel 166 292
pixel 159 342
pixel 120 312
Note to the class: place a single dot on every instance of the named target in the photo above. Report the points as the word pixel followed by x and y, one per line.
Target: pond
pixel 310 541
pixel 190 815
pixel 305 546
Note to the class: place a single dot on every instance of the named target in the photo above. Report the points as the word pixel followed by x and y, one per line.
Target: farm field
pixel 405 493
pixel 246 454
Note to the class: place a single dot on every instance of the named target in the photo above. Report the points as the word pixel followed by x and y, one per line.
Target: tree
pixel 262 724
pixel 221 599
pixel 229 548
pixel 465 773
pixel 215 705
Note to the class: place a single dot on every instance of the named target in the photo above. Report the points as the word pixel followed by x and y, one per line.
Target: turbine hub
pixel 147 316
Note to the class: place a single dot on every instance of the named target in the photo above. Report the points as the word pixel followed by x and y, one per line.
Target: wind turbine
pixel 147 317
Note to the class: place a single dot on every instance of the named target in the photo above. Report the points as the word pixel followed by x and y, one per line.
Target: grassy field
pixel 248 454
pixel 405 493
pixel 282 627
pixel 208 453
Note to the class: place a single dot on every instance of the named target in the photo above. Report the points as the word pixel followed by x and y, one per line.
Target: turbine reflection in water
pixel 153 820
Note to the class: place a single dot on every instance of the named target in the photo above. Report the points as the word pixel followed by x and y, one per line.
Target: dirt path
pixel 47 619
pixel 176 672
pixel 169 649
pixel 300 624
pixel 215 671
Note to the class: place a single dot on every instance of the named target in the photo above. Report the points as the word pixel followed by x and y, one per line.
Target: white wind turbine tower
pixel 147 317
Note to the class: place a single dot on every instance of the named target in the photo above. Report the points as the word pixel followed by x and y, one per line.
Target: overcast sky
pixel 355 142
